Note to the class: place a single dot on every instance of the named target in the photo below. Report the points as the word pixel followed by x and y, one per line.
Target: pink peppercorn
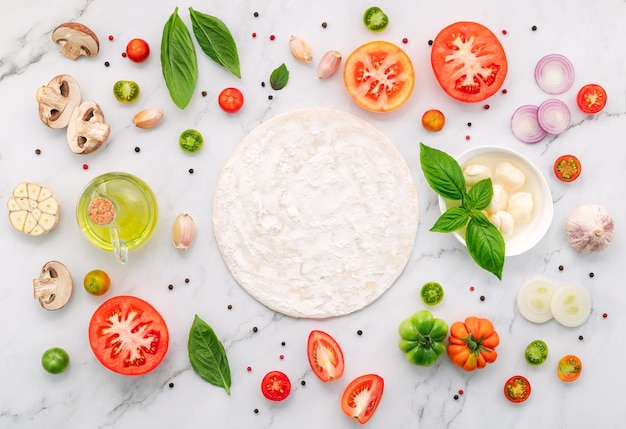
pixel 253 34
pixel 405 40
pixel 85 166
pixel 272 37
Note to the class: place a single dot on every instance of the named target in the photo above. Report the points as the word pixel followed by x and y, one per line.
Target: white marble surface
pixel 87 395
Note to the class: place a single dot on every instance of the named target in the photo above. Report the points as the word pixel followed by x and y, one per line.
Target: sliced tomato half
pixel 591 98
pixel 569 368
pixel 469 61
pixel 362 396
pixel 325 356
pixel 517 389
pixel 275 386
pixel 128 335
pixel 379 76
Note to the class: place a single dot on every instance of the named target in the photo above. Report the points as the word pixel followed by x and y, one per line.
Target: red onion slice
pixel 554 74
pixel 525 125
pixel 553 116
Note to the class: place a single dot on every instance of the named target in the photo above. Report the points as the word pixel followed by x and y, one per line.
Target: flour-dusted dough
pixel 315 213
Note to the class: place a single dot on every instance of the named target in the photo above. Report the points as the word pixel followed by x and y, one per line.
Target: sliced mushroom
pixel 57 101
pixel 76 40
pixel 53 288
pixel 87 130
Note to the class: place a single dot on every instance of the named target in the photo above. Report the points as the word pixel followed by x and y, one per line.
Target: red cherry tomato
pixel 230 100
pixel 517 389
pixel 567 168
pixel 362 396
pixel 591 98
pixel 275 386
pixel 325 356
pixel 138 50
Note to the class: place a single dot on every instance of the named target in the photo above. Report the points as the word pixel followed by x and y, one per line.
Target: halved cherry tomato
pixel 128 335
pixel 569 368
pixel 379 76
pixel 362 396
pixel 137 50
pixel 325 356
pixel 567 168
pixel 468 61
pixel 275 386
pixel 591 98
pixel 433 120
pixel 230 100
pixel 517 389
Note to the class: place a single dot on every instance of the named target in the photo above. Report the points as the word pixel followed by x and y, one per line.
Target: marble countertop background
pixel 87 395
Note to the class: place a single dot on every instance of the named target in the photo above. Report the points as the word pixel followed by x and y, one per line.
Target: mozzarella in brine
pixel 499 199
pixel 474 173
pixel 503 221
pixel 521 206
pixel 510 176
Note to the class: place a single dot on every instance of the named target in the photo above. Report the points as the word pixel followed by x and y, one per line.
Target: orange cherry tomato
pixel 433 120
pixel 97 282
pixel 569 368
pixel 567 168
pixel 325 356
pixel 591 98
pixel 230 100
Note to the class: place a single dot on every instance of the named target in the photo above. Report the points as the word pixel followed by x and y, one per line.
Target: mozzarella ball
pixel 499 200
pixel 474 173
pixel 511 177
pixel 521 206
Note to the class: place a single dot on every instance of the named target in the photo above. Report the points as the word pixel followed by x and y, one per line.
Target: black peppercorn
pixel 106 64
pixel 560 267
pixel 359 332
pixel 255 329
pixel 303 382
pixel 230 307
pixel 256 411
pixel 191 171
pixel 170 287
pixel 430 42
pixel 482 297
pixel 171 385
pixel 204 93
pixel 456 397
pixel 324 24
pixel 282 344
pixel 256 14
pixel 137 149
pixel 580 337
pixel 186 280
pixel 591 274
pixel 534 28
pixel 38 151
pixel 469 124
pixel 270 97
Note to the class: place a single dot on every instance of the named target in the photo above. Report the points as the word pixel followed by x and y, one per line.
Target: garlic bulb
pixel 183 231
pixel 589 228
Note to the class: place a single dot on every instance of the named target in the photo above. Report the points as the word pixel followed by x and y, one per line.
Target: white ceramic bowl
pixel 524 236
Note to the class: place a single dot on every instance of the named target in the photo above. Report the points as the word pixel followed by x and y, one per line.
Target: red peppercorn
pixel 486 107
pixel 111 37
pixel 249 368
pixel 405 40
pixel 282 357
pixel 272 37
pixel 467 137
pixel 503 31
pixel 124 54
pixel 85 167
pixel 460 392
pixel 253 34
pixel 471 288
pixel 605 315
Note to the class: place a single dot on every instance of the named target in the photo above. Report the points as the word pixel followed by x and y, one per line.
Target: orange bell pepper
pixel 472 343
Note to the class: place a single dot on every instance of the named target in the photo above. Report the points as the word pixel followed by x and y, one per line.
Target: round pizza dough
pixel 315 213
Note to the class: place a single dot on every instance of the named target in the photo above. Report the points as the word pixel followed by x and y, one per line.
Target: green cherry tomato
pixel 431 293
pixel 97 282
pixel 55 360
pixel 126 91
pixel 190 140
pixel 536 352
pixel 375 19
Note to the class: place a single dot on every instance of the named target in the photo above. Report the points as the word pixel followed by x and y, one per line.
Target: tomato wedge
pixel 362 396
pixel 569 368
pixel 591 98
pixel 468 61
pixel 517 389
pixel 325 356
pixel 379 76
pixel 567 168
pixel 275 386
pixel 128 335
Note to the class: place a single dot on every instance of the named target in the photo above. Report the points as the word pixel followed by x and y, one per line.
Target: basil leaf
pixel 207 355
pixel 485 244
pixel 215 40
pixel 178 61
pixel 453 219
pixel 442 173
pixel 279 77
pixel 480 195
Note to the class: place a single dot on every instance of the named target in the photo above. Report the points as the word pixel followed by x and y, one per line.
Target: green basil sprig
pixel 279 77
pixel 215 40
pixel 484 242
pixel 178 61
pixel 207 355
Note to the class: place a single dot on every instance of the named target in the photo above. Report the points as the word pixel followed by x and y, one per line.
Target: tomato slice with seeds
pixel 567 168
pixel 591 98
pixel 569 368
pixel 275 386
pixel 469 61
pixel 517 389
pixel 128 335
pixel 379 76
pixel 230 100
pixel 362 396
pixel 325 356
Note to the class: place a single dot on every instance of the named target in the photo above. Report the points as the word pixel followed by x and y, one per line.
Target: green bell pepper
pixel 422 338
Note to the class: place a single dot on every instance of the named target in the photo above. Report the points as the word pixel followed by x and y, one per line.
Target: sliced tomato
pixel 362 396
pixel 275 386
pixel 517 389
pixel 567 168
pixel 569 368
pixel 468 61
pixel 230 100
pixel 128 335
pixel 379 76
pixel 591 98
pixel 325 356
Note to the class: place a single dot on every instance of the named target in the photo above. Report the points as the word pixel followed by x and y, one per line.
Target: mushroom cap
pixel 53 287
pixel 87 130
pixel 57 100
pixel 76 40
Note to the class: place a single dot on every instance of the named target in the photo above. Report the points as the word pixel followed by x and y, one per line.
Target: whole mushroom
pixel 57 100
pixel 76 40
pixel 87 130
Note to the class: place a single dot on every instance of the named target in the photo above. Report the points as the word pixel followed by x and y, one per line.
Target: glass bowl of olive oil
pixel 117 212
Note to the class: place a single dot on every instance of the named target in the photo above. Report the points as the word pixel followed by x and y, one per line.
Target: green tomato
pixel 55 360
pixel 375 19
pixel 422 338
pixel 536 352
pixel 126 91
pixel 431 293
pixel 190 140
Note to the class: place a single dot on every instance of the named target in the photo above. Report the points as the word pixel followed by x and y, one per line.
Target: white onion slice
pixel 553 116
pixel 525 125
pixel 534 300
pixel 571 306
pixel 554 74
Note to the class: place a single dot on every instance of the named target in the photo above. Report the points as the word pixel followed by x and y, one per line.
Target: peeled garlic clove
pixel 329 64
pixel 509 175
pixel 589 228
pixel 183 231
pixel 148 118
pixel 300 50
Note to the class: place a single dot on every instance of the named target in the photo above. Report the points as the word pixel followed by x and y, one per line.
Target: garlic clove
pixel 589 228
pixel 183 231
pixel 300 49
pixel 148 118
pixel 329 64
